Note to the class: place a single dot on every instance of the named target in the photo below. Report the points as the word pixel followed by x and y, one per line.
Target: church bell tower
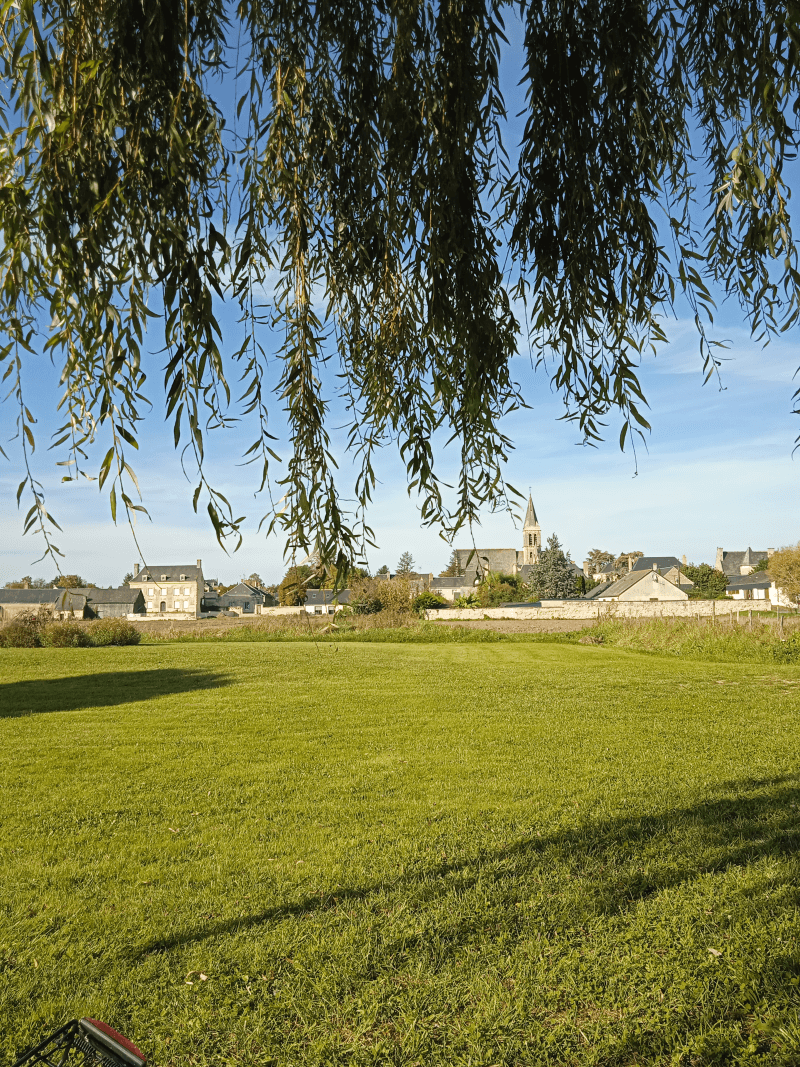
pixel 531 536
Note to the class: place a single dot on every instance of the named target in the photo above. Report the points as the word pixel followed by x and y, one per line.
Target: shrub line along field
pixel 468 853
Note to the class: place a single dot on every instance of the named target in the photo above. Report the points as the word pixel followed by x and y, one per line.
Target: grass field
pixel 487 854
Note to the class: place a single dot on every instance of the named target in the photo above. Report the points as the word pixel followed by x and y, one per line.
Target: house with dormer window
pixel 169 589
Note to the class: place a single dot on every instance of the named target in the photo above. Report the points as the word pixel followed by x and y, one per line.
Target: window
pixel 151 592
pixel 186 605
pixel 150 603
pixel 176 591
pixel 163 592
pixel 163 577
pixel 186 590
pixel 183 577
pixel 530 539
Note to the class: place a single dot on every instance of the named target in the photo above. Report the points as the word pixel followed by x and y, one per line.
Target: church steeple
pixel 531 535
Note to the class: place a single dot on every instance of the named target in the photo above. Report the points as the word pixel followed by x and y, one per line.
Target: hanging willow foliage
pixel 362 166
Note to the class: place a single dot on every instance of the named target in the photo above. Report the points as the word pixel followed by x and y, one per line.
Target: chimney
pixel 199 564
pixel 770 552
pixel 655 566
pixel 586 568
pixel 683 559
pixel 135 569
pixel 630 563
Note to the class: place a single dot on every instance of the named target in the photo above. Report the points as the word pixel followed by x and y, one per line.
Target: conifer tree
pixel 405 565
pixel 552 578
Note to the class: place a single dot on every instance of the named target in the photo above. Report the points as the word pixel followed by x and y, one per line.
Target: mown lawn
pixel 402 854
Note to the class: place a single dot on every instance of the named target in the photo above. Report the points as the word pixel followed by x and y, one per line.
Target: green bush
pixel 428 600
pixel 470 600
pixel 113 632
pixel 65 635
pixel 787 651
pixel 25 629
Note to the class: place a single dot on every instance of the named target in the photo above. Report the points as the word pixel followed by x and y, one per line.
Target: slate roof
pixel 450 582
pixel 598 589
pixel 759 580
pixel 663 563
pixel 733 561
pixel 173 571
pixel 64 598
pixel 122 595
pixel 30 596
pixel 243 589
pixel 530 514
pixel 629 580
pixel 327 596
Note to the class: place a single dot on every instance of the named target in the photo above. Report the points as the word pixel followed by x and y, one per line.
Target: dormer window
pixel 183 577
pixel 163 577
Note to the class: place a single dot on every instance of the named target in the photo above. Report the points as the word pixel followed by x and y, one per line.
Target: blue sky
pixel 717 470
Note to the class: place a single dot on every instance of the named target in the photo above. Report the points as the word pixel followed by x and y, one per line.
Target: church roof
pixel 530 514
pixel 473 561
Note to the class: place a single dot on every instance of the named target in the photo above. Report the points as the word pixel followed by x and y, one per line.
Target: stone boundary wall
pixel 594 612
pixel 157 616
pixel 283 611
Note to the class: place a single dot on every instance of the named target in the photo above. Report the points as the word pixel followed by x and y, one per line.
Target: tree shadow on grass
pixel 101 690
pixel 605 867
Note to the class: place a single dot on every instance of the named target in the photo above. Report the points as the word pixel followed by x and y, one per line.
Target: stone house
pixel 739 563
pixel 669 566
pixel 112 603
pixel 639 585
pixel 325 601
pixel 245 599
pixel 170 588
pixel 451 588
pixel 63 603
pixel 751 586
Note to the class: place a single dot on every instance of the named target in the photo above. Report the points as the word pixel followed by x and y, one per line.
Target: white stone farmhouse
pixel 169 589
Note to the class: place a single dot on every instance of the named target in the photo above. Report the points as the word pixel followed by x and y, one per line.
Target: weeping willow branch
pixel 370 201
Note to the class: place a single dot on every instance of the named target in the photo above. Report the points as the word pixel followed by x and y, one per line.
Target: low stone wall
pixel 283 611
pixel 158 616
pixel 592 611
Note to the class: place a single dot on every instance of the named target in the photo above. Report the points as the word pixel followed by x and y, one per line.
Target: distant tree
pixel 383 570
pixel 624 557
pixel 128 577
pixel 296 582
pixel 255 579
pixel 497 589
pixel 21 583
pixel 552 578
pixel 453 568
pixel 598 557
pixel 709 584
pixel 784 567
pixel 71 581
pixel 405 564
pixel 762 565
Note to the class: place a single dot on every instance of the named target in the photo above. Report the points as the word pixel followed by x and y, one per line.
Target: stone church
pixel 475 563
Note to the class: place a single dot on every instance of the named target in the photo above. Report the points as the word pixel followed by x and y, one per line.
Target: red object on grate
pixel 107 1035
